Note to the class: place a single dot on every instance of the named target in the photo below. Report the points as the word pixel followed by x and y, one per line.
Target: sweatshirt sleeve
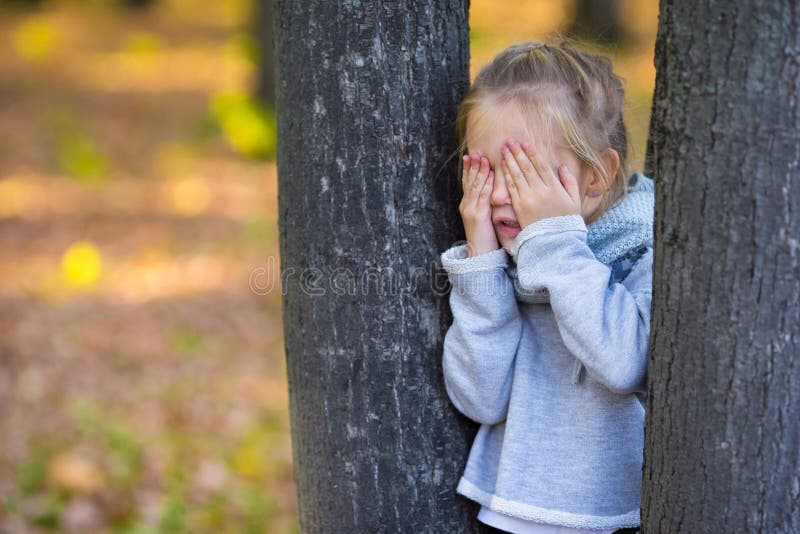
pixel 606 327
pixel 481 344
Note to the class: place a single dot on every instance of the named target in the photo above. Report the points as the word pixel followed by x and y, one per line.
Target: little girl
pixel 550 295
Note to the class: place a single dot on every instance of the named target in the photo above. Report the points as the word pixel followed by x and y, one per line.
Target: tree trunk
pixel 366 103
pixel 596 21
pixel 722 435
pixel 262 31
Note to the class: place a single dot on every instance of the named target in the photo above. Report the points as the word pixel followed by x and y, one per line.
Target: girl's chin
pixel 506 244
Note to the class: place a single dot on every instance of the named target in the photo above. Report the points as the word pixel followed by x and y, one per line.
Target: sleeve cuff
pixel 548 225
pixel 455 260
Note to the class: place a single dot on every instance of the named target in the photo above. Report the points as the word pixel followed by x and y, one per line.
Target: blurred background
pixel 142 372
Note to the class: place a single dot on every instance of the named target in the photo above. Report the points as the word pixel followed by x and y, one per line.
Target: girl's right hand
pixel 475 208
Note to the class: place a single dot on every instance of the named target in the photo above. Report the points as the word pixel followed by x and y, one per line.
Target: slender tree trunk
pixel 366 99
pixel 722 436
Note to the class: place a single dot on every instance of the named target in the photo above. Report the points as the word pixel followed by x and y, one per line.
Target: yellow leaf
pixel 35 39
pixel 82 264
pixel 248 460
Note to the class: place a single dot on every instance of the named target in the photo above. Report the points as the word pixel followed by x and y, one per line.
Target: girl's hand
pixel 477 182
pixel 536 192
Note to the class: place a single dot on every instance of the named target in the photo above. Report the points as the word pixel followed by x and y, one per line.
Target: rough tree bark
pixel 722 436
pixel 366 100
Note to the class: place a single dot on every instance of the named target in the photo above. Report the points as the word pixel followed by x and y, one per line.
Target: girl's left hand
pixel 536 192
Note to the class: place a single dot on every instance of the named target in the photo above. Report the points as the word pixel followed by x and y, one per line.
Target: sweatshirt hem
pixel 546 515
pixel 455 260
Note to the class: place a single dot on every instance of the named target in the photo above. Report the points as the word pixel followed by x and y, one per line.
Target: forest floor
pixel 142 367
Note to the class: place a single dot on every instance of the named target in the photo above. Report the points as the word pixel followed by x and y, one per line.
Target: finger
pixel 480 181
pixel 516 173
pixel 486 192
pixel 570 184
pixel 465 162
pixel 483 172
pixel 544 171
pixel 511 184
pixel 466 178
pixel 475 160
pixel 511 187
pixel 523 161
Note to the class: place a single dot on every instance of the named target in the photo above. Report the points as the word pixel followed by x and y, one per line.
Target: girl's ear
pixel 611 160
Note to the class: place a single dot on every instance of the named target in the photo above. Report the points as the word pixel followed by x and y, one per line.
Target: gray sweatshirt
pixel 548 351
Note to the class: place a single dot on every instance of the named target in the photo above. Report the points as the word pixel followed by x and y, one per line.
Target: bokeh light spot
pixel 81 264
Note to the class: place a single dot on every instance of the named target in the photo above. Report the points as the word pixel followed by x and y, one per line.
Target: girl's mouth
pixel 509 229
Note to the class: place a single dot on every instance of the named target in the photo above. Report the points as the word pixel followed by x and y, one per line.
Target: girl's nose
pixel 500 194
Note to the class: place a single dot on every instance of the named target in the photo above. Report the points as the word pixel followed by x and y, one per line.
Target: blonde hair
pixel 573 93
